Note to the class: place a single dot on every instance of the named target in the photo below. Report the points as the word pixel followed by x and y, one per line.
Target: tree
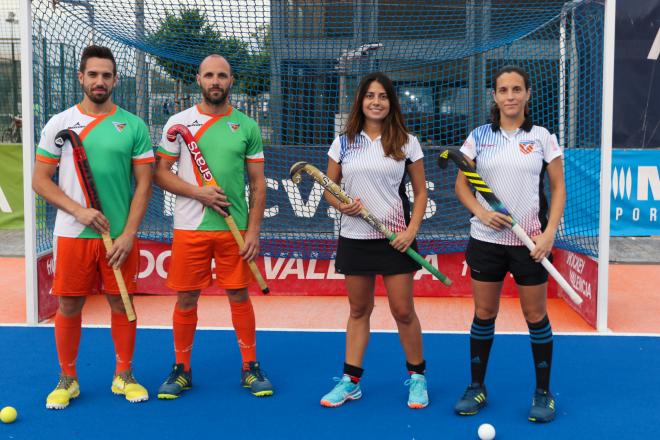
pixel 182 41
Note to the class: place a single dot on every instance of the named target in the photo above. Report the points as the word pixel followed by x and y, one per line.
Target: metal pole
pixel 31 292
pixel 606 165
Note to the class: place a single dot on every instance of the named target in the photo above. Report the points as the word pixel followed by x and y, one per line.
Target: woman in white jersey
pixel 513 156
pixel 371 159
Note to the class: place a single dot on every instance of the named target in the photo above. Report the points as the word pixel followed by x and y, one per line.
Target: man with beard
pixel 230 143
pixel 118 149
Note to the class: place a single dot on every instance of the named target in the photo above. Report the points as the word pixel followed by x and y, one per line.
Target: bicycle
pixel 12 133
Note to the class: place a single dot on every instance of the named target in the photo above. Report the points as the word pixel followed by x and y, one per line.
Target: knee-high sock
pixel 123 335
pixel 242 317
pixel 482 333
pixel 184 324
pixel 67 340
pixel 540 334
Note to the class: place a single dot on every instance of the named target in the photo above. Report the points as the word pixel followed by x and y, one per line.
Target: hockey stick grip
pixel 552 270
pixel 207 176
pixel 477 182
pixel 130 313
pixel 336 191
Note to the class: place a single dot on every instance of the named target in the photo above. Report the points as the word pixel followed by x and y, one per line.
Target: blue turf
pixel 605 387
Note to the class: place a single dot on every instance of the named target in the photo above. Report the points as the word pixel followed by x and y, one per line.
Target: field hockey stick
pixel 478 183
pixel 89 187
pixel 336 191
pixel 209 180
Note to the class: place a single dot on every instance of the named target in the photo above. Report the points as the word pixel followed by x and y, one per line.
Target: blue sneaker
pixel 343 391
pixel 255 379
pixel 177 382
pixel 472 401
pixel 543 407
pixel 418 397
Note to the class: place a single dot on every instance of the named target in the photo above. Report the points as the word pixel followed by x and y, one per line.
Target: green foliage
pixel 184 40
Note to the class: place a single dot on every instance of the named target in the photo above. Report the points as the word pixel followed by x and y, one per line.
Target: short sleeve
pixel 469 147
pixel 142 150
pixel 255 146
pixel 169 149
pixel 47 151
pixel 414 149
pixel 335 150
pixel 551 148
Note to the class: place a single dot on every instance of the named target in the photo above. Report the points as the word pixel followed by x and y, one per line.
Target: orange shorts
pixel 80 261
pixel 190 263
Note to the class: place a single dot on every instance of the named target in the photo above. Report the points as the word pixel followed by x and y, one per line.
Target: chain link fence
pixel 10 72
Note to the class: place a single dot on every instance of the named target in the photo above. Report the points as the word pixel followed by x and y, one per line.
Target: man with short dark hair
pixel 118 150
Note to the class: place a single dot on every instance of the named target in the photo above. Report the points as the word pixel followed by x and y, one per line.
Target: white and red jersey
pixel 513 166
pixel 376 179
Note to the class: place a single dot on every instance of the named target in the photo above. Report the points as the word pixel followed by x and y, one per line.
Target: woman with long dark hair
pixel 513 156
pixel 372 158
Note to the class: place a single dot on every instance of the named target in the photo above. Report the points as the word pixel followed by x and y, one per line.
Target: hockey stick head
pixel 67 135
pixel 179 129
pixel 295 171
pixel 79 155
pixel 457 157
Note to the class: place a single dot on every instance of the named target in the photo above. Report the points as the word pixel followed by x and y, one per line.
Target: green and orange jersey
pixel 113 142
pixel 227 142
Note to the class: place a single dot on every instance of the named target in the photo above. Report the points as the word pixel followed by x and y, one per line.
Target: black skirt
pixel 372 257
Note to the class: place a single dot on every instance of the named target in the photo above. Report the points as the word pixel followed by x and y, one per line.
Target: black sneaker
pixel 177 382
pixel 543 407
pixel 472 401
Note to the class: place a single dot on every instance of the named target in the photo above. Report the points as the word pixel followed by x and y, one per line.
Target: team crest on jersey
pixel 233 126
pixel 119 125
pixel 526 147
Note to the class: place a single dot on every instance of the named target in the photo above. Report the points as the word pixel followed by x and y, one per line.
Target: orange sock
pixel 123 335
pixel 242 316
pixel 67 340
pixel 184 324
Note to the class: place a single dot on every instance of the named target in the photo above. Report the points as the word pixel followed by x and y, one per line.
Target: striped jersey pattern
pixel 513 166
pixel 377 180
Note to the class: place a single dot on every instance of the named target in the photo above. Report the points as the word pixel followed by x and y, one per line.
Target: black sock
pixel 540 334
pixel 482 333
pixel 416 369
pixel 355 373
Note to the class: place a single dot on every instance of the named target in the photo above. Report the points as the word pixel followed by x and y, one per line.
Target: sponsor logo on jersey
pixel 119 126
pixel 76 126
pixel 233 126
pixel 202 166
pixel 487 145
pixel 195 123
pixel 526 147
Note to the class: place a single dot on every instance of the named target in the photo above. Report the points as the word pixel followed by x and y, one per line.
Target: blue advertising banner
pixel 635 200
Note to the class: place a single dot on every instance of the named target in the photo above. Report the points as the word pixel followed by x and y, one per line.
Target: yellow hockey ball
pixel 8 414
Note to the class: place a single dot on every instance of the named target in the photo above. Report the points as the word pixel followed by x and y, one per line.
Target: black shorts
pixel 490 262
pixel 372 257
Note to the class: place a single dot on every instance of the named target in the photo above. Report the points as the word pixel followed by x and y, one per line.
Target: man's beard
pixel 97 99
pixel 221 99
